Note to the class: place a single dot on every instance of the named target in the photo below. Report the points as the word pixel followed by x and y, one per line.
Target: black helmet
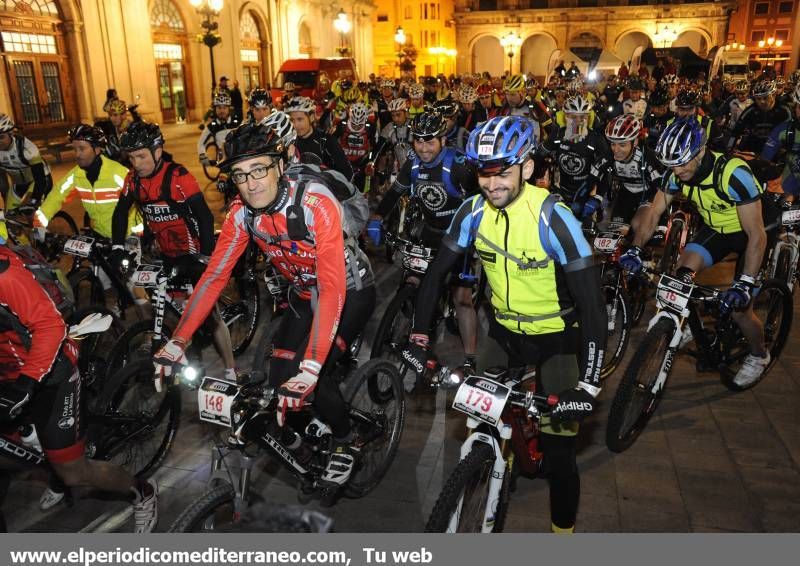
pixel 250 140
pixel 635 83
pixel 428 125
pixel 90 134
pixel 141 135
pixel 446 107
pixel 659 96
pixel 429 81
pixel 687 98
pixel 259 98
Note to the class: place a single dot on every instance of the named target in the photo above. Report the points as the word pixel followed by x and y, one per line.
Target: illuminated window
pixel 167 51
pixel 38 7
pixel 166 14
pixel 249 55
pixel 248 27
pixel 29 43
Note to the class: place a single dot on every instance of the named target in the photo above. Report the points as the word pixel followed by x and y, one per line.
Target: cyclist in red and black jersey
pixel 332 291
pixel 174 210
pixel 39 376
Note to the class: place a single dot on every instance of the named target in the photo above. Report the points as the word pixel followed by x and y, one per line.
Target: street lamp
pixel 510 42
pixel 769 43
pixel 400 40
pixel 343 26
pixel 210 10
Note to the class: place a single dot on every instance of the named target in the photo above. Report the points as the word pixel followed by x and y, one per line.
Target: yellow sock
pixel 560 531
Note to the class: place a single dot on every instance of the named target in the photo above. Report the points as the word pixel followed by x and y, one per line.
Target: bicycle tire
pixel 263 351
pixel 240 301
pixel 467 487
pixel 638 378
pixel 196 514
pixel 376 454
pixel 53 247
pixel 136 343
pixel 86 288
pixel 135 411
pixel 672 248
pixel 391 335
pixel 782 267
pixel 622 329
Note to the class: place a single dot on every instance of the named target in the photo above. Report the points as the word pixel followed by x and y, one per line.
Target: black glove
pixel 415 355
pixel 14 395
pixel 573 405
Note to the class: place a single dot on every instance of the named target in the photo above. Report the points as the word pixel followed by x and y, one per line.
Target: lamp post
pixel 400 40
pixel 769 43
pixel 343 26
pixel 510 42
pixel 210 10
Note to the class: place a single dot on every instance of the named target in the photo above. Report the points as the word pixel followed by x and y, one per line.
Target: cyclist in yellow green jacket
pixel 96 179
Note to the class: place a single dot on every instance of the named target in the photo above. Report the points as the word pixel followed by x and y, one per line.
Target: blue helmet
pixel 500 143
pixel 680 142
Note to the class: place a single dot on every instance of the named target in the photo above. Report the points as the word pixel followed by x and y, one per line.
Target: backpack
pixel 355 209
pixel 9 321
pixel 181 208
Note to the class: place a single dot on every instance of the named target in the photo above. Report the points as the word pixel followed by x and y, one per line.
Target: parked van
pixel 305 73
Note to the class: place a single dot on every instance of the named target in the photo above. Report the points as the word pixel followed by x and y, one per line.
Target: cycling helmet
pixel 514 83
pixel 259 98
pixel 670 79
pixel 468 94
pixel 796 94
pixel 251 140
pixel 6 124
pixel 484 90
pixel 680 142
pixel 623 128
pixel 351 95
pixel 428 125
pixel 358 115
pixel 140 135
pixel 741 85
pixel 635 83
pixel 659 96
pixel 416 90
pixel 531 83
pixel 117 107
pixel 222 98
pixel 289 87
pixel 577 105
pixel 795 77
pixel 575 86
pixel 780 81
pixel 299 104
pixel 446 108
pixel 397 105
pixel 687 98
pixel 429 81
pixel 501 142
pixel 763 87
pixel 282 124
pixel 387 83
pixel 90 134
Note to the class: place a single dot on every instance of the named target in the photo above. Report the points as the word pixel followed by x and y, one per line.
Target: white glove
pixel 39 233
pixel 293 393
pixel 171 353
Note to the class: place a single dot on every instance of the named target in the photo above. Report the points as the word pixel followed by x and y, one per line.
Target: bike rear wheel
pixel 619 328
pixel 87 288
pixel 137 426
pixel 635 401
pixel 462 504
pixel 375 395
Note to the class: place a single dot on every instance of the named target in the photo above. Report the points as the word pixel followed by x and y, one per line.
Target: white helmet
pixel 387 83
pixel 670 79
pixel 795 94
pixel 416 90
pixel 468 94
pixel 397 104
pixel 358 115
pixel 282 125
pixel 6 124
pixel 299 104
pixel 222 98
pixel 577 105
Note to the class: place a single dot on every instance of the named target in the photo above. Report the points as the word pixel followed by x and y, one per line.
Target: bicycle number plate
pixel 482 399
pixel 79 245
pixel 790 217
pixel 415 263
pixel 215 399
pixel 146 275
pixel 673 294
pixel 607 242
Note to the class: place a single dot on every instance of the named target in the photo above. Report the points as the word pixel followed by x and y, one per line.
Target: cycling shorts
pixel 713 246
pixel 56 411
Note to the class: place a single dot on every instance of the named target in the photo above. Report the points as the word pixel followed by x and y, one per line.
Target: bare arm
pixel 753 225
pixel 650 215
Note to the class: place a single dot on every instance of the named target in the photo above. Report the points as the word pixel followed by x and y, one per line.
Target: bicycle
pixel 722 349
pixel 61 227
pixel 239 306
pixel 503 411
pixel 213 158
pixel 374 394
pixel 680 226
pixel 782 258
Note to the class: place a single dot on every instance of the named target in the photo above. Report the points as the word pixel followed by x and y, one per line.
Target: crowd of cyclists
pixel 505 172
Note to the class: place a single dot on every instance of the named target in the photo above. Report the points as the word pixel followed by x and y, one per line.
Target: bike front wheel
pixel 619 328
pixel 462 504
pixel 638 394
pixel 211 512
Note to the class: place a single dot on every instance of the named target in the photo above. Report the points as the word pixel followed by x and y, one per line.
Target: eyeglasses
pixel 240 177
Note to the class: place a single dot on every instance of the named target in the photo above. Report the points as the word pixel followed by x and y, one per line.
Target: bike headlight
pixel 190 375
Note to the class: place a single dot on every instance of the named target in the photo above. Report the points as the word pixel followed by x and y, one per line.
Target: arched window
pixel 166 14
pixel 33 7
pixel 251 52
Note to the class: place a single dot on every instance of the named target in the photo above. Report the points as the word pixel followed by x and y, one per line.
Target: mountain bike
pixel 680 226
pixel 503 411
pixel 374 395
pixel 61 227
pixel 782 258
pixel 214 155
pixel 721 347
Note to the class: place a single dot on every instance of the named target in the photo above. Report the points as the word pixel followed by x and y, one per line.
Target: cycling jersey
pixel 456 137
pixel 534 110
pixel 325 149
pixel 26 167
pixel 733 108
pixel 321 269
pixel 99 198
pixel 786 136
pixel 356 145
pixel 717 188
pixel 641 174
pixel 468 120
pixel 173 208
pixel 215 132
pixel 755 125
pixel 573 160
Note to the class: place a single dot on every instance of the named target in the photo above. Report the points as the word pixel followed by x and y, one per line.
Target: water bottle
pixel 317 428
pixel 29 438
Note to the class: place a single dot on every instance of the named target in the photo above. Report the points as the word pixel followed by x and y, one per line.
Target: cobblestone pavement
pixel 710 460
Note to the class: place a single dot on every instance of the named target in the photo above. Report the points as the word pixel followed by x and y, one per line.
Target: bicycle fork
pixel 158 311
pixel 498 473
pixel 672 348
